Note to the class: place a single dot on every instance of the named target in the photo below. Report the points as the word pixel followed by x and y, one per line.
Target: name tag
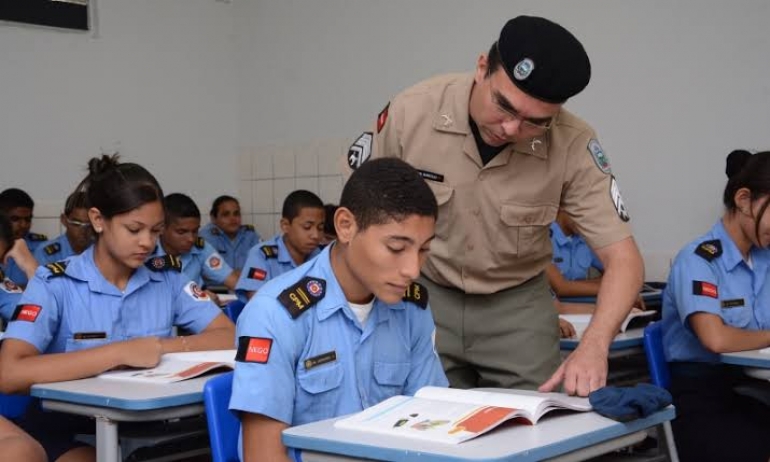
pixel 320 359
pixel 90 336
pixel 734 303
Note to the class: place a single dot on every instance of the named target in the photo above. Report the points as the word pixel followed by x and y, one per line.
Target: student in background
pixel 227 235
pixel 330 234
pixel 179 239
pixel 78 234
pixel 718 300
pixel 105 308
pixel 17 445
pixel 349 329
pixel 19 207
pixel 302 226
pixel 10 292
pixel 575 270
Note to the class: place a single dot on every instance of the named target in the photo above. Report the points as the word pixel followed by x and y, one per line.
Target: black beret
pixel 543 59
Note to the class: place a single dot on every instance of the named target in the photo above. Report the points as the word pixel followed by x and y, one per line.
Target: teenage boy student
pixel 302 227
pixel 349 329
pixel 78 234
pixel 18 206
pixel 179 239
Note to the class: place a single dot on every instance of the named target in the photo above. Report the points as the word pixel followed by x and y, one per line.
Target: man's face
pixel 503 113
pixel 21 221
pixel 304 232
pixel 228 217
pixel 78 229
pixel 179 235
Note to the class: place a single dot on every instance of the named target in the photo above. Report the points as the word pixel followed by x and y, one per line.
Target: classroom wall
pixel 156 81
pixel 675 86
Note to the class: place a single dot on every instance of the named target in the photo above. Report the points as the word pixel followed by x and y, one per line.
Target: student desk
pixel 652 297
pixel 751 358
pixel 624 343
pixel 113 401
pixel 565 437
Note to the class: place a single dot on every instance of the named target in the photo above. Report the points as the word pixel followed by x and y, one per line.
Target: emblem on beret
pixel 522 70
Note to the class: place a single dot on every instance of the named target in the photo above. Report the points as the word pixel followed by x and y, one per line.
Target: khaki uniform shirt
pixel 493 220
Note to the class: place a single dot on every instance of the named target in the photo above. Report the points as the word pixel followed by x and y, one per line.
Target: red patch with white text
pixel 382 118
pixel 253 349
pixel 706 289
pixel 257 273
pixel 27 313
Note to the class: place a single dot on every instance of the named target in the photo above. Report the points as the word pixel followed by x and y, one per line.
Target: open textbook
pixel 449 415
pixel 634 320
pixel 174 367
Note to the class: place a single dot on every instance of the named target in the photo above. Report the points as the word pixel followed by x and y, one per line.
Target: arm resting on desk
pixel 218 335
pixel 718 337
pixel 262 438
pixel 563 287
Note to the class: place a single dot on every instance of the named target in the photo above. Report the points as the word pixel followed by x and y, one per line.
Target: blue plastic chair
pixel 233 309
pixel 224 427
pixel 13 406
pixel 656 359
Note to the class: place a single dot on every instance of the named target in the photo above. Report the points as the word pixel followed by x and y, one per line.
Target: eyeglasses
pixel 510 113
pixel 79 224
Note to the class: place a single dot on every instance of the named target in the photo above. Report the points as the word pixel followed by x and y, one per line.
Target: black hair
pixel 298 200
pixel 76 200
pixel 6 233
pixel 493 60
pixel 219 201
pixel 750 171
pixel 386 189
pixel 179 205
pixel 115 188
pixel 330 209
pixel 15 197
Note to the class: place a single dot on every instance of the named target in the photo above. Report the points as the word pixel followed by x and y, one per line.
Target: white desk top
pixel 552 436
pixel 632 338
pixel 752 358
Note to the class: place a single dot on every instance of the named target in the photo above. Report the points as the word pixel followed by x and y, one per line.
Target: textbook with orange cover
pixel 174 367
pixel 449 415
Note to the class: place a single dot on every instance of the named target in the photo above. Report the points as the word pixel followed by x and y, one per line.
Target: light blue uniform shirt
pixel 202 261
pixel 54 250
pixel 12 270
pixel 78 309
pixel 572 255
pixel 10 294
pixel 267 260
pixel 709 275
pixel 235 251
pixel 324 363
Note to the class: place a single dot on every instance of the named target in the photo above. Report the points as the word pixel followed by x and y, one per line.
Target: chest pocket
pixel 738 316
pixel 390 379
pixel 319 392
pixel 443 194
pixel 524 228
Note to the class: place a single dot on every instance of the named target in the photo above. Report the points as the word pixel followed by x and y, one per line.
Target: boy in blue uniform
pixel 104 308
pixel 302 226
pixel 570 271
pixel 349 328
pixel 179 239
pixel 718 300
pixel 78 234
pixel 18 206
pixel 227 235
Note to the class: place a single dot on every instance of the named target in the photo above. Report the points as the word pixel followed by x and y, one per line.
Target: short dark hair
pixel 180 205
pixel 750 171
pixel 15 197
pixel 387 189
pixel 298 200
pixel 76 200
pixel 116 188
pixel 493 60
pixel 329 228
pixel 219 201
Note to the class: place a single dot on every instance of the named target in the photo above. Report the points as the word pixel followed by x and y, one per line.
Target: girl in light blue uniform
pixel 718 300
pixel 104 308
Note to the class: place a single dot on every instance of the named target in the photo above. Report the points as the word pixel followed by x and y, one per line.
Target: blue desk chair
pixel 14 406
pixel 233 309
pixel 224 427
pixel 656 359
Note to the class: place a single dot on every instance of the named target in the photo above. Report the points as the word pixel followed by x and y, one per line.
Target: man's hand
pixel 584 371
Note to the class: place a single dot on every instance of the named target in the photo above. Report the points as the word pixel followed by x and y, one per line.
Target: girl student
pixel 108 307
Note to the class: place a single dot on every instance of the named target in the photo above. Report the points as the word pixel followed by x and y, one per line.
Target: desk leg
pixel 107 447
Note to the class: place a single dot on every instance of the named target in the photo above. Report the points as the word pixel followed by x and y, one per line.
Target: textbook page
pixel 174 367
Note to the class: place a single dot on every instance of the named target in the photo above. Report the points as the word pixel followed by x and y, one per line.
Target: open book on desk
pixel 634 320
pixel 449 415
pixel 174 367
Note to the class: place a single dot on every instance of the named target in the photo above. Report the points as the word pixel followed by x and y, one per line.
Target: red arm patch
pixel 27 313
pixel 382 118
pixel 253 349
pixel 706 289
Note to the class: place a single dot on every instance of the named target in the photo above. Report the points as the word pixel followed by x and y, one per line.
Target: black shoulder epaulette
pixel 249 228
pixel 52 248
pixel 200 243
pixel 37 237
pixel 417 294
pixel 57 268
pixel 302 295
pixel 709 250
pixel 270 251
pixel 163 263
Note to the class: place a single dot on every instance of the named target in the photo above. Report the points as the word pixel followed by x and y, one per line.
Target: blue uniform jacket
pixel 572 255
pixel 54 250
pixel 235 251
pixel 202 261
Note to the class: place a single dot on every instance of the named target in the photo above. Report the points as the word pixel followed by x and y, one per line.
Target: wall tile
pixel 262 196
pixel 307 183
pixel 281 188
pixel 283 164
pixel 330 188
pixel 245 196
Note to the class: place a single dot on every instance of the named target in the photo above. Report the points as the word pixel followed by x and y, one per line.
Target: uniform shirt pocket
pixel 390 379
pixel 319 392
pixel 443 194
pixel 524 228
pixel 737 316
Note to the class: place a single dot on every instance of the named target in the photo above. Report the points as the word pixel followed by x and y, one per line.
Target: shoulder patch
pixel 52 248
pixel 253 349
pixel 617 200
pixel 382 117
pixel 37 237
pixel 200 243
pixel 249 228
pixel 270 251
pixel 57 268
pixel 418 294
pixel 164 263
pixel 709 250
pixel 27 313
pixel 9 286
pixel 600 158
pixel 302 295
pixel 360 151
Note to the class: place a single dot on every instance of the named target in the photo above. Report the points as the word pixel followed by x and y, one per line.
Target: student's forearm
pixel 262 439
pixel 584 288
pixel 231 280
pixel 720 338
pixel 220 335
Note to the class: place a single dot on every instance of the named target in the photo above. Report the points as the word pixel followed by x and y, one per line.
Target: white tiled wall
pixel 269 173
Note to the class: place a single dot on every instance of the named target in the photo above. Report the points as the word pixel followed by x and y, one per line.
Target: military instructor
pixel 502 156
